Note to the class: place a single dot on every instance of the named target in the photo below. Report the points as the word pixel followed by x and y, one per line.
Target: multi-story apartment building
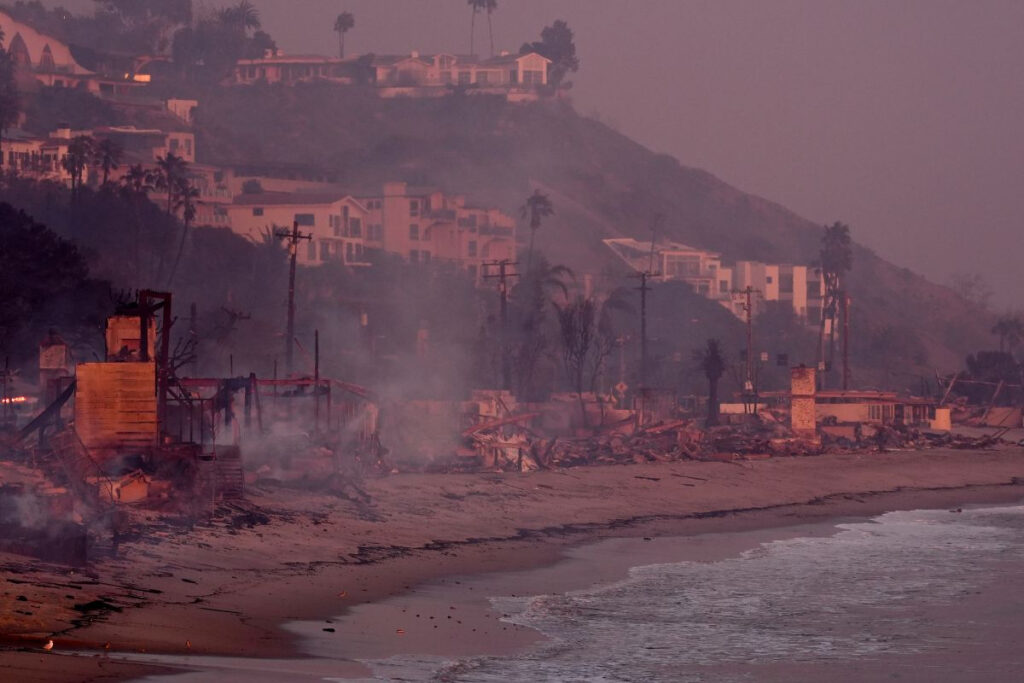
pixel 419 225
pixel 799 286
pixel 423 225
pixel 336 223
pixel 701 269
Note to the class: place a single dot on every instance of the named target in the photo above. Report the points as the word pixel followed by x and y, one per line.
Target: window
pixel 325 251
pixel 414 207
pixel 257 211
pixel 768 279
pixel 348 252
pixel 786 284
pixel 465 78
pixel 723 286
pixel 311 252
pixel 414 232
pixel 336 224
pixel 533 77
pixel 471 248
pixel 414 256
pixel 355 227
pixel 306 219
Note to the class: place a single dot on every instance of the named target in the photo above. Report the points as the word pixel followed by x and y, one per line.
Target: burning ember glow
pixel 14 399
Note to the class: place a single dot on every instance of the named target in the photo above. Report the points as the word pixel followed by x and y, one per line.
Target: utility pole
pixel 503 275
pixel 147 310
pixel 643 275
pixel 846 341
pixel 292 238
pixel 748 310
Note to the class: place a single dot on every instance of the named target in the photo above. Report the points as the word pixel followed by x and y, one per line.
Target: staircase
pixel 78 467
pixel 230 477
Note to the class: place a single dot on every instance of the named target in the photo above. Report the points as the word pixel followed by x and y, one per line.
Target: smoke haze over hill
pixel 902 120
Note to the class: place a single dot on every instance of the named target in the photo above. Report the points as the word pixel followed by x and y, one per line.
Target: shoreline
pixel 222 595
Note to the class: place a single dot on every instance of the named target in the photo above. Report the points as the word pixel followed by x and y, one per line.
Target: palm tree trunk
pixel 490 30
pixel 529 254
pixel 472 29
pixel 343 45
pixel 579 394
pixel 177 257
pixel 821 345
pixel 712 403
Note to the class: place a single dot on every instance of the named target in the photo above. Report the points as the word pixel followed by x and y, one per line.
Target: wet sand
pixel 222 590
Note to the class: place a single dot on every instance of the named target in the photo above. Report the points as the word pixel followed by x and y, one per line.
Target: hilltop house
pixel 513 75
pixel 49 61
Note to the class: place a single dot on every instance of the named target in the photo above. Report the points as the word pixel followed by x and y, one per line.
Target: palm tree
pixel 186 201
pixel 137 182
pixel 171 169
pixel 490 6
pixel 343 24
pixel 474 6
pixel 136 185
pixel 538 206
pixel 244 15
pixel 577 321
pixel 540 284
pixel 107 155
pixel 80 153
pixel 836 259
pixel 713 365
pixel 1010 330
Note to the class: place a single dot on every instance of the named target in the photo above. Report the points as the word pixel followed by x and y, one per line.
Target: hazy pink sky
pixel 904 119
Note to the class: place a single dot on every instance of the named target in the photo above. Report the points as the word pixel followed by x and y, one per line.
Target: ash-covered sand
pixel 225 590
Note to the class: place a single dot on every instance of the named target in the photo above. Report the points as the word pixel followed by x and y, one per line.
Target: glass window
pixel 257 211
pixel 306 219
pixel 414 232
pixel 471 248
pixel 311 252
pixel 414 207
pixel 355 227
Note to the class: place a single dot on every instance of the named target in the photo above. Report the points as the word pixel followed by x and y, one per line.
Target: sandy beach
pixel 227 588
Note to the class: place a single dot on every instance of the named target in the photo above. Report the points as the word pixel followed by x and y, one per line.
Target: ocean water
pixel 930 596
pixel 921 595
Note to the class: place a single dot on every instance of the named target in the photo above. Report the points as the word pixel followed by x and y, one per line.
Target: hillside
pixel 602 183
